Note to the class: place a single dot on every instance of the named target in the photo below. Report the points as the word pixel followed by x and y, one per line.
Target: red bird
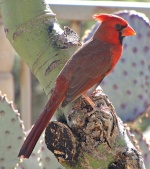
pixel 86 68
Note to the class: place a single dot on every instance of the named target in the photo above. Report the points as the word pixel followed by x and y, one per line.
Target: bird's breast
pixel 116 53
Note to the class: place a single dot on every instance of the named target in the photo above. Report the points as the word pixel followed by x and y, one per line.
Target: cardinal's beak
pixel 128 31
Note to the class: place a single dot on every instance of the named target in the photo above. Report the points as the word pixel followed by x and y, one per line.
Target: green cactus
pixel 142 144
pixel 11 134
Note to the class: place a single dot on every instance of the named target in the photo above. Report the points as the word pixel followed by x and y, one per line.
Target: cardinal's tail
pixel 39 126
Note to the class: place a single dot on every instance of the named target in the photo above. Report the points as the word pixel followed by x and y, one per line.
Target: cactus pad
pixel 11 134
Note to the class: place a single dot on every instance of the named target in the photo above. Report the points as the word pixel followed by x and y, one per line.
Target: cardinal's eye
pixel 118 27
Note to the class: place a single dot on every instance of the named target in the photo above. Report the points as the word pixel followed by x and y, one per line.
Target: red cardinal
pixel 86 68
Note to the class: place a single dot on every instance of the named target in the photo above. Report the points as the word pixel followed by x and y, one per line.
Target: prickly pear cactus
pixel 144 146
pixel 11 134
pixel 128 85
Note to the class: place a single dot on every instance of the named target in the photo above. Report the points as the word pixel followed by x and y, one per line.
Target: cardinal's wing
pixel 88 66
